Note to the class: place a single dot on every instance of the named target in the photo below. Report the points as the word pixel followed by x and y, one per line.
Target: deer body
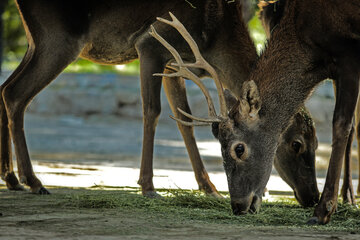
pixel 308 45
pixel 116 32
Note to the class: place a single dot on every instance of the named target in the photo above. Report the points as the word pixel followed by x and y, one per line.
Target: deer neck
pixel 234 57
pixel 285 74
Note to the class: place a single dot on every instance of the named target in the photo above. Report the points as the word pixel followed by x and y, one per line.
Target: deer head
pixel 295 158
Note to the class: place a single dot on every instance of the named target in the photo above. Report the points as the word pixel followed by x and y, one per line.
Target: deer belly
pixel 109 53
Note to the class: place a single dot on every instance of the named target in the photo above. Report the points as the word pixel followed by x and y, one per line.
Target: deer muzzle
pixel 247 204
pixel 308 196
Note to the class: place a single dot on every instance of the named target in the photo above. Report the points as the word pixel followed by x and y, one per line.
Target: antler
pixel 183 71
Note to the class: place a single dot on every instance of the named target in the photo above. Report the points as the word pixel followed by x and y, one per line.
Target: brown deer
pixel 58 32
pixel 270 15
pixel 114 32
pixel 308 45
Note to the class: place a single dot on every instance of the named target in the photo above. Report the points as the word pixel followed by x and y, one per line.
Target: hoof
pixel 312 221
pixel 17 187
pixel 12 183
pixel 41 191
pixel 215 195
pixel 152 194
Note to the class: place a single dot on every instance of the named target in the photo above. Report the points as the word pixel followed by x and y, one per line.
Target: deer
pixel 307 46
pixel 270 15
pixel 58 34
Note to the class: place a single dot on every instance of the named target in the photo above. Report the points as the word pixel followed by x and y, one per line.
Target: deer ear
pixel 250 102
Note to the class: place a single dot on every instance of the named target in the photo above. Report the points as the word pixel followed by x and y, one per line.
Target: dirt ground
pixel 29 216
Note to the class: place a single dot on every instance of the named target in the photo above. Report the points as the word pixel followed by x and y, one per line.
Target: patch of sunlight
pixel 259 47
pixel 324 147
pixel 169 143
pixel 71 175
pixel 120 67
pixel 207 148
pixel 212 149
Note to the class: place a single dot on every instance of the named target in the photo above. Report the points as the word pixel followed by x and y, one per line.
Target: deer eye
pixel 296 145
pixel 238 151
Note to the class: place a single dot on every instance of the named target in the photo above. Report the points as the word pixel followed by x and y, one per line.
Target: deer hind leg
pixel 45 61
pixel 347 89
pixel 357 133
pixel 176 94
pixel 347 189
pixel 6 164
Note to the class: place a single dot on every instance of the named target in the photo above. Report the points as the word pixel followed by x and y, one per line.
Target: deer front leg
pixel 176 95
pixel 347 89
pixel 150 93
pixel 6 164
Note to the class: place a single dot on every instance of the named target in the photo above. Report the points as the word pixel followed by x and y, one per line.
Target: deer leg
pixel 176 94
pixel 347 89
pixel 357 133
pixel 6 164
pixel 45 62
pixel 347 189
pixel 150 92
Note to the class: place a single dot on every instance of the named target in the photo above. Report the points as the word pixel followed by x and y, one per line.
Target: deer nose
pixel 244 205
pixel 307 198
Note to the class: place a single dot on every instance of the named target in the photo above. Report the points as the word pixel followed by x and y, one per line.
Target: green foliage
pixel 85 66
pixel 15 42
pixel 257 33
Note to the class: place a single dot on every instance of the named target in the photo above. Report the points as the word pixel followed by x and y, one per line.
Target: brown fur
pixel 116 32
pixel 308 45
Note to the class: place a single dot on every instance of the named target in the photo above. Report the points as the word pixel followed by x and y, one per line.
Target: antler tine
pixel 189 124
pixel 204 120
pixel 183 71
pixel 200 62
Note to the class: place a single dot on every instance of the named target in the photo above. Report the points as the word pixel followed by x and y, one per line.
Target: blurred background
pixel 91 116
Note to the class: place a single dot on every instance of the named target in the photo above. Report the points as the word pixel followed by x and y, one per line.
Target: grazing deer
pixel 295 158
pixel 58 32
pixel 297 143
pixel 308 45
pixel 270 15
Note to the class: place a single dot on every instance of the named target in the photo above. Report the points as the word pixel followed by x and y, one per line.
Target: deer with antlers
pixel 304 184
pixel 58 32
pixel 307 46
